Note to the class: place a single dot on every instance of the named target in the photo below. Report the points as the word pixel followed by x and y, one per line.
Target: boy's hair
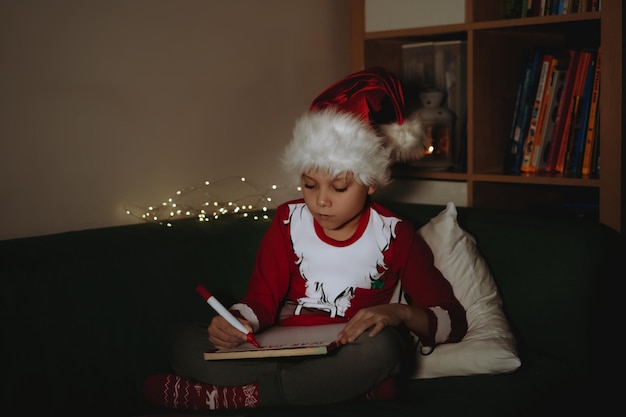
pixel 356 126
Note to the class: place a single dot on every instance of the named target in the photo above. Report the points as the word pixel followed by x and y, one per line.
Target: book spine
pixel 513 140
pixel 535 115
pixel 560 7
pixel 577 87
pixel 540 159
pixel 595 158
pixel 562 110
pixel 574 157
pixel 544 117
pixel 566 7
pixel 591 124
pixel 516 143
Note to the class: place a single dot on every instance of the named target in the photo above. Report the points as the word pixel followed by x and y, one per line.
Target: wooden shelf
pixel 494 50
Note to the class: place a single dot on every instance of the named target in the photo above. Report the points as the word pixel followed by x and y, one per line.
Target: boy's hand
pixel 224 336
pixel 373 318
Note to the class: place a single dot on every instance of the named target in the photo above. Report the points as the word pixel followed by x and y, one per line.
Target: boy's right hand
pixel 223 335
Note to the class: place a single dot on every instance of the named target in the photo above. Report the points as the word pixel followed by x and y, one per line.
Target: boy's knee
pixel 388 345
pixel 187 343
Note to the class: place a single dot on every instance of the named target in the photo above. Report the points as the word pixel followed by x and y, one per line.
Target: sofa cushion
pixel 489 345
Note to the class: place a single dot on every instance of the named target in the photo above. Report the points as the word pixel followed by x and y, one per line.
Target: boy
pixel 333 256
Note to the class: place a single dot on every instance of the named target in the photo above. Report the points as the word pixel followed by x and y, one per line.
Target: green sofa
pixel 85 314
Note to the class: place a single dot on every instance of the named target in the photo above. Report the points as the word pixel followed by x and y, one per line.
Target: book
pixel 536 114
pixel 281 341
pixel 591 136
pixel 541 150
pixel 561 114
pixel 519 128
pixel 595 157
pixel 573 158
pixel 577 89
pixel 512 144
pixel 545 122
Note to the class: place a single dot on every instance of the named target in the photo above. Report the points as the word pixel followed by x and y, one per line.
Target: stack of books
pixel 555 120
pixel 530 8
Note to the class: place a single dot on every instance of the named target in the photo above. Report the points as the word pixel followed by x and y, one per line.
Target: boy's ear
pixel 371 190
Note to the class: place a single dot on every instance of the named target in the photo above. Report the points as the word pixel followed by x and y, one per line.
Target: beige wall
pixel 412 13
pixel 111 102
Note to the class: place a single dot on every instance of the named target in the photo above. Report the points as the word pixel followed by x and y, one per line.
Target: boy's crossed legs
pixel 348 373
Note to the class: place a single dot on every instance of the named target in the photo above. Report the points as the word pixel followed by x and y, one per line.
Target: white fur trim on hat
pixel 338 142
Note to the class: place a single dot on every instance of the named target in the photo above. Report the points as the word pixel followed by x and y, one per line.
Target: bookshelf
pixel 495 50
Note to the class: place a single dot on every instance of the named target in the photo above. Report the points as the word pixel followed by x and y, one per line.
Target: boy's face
pixel 335 202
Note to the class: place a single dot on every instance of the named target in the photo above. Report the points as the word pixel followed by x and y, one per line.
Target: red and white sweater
pixel 302 277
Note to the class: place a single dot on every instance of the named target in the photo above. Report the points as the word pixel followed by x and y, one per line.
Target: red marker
pixel 222 311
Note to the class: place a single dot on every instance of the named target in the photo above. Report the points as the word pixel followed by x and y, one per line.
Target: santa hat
pixel 356 125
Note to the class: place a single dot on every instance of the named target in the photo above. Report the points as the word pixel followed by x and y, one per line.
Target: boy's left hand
pixel 373 318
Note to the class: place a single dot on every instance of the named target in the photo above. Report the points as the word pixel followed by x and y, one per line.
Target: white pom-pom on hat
pixel 409 139
pixel 356 125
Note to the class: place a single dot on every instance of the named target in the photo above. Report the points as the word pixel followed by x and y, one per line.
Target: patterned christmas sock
pixel 171 391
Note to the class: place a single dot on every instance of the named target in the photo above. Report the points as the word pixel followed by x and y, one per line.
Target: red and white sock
pixel 172 391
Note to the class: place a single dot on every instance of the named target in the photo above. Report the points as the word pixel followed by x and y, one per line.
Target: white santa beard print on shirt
pixel 333 272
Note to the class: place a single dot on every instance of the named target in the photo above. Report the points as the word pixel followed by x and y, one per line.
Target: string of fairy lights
pixel 210 201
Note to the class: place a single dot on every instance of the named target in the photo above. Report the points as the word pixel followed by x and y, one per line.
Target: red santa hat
pixel 356 125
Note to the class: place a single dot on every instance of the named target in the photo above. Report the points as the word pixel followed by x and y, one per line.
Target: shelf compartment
pixel 495 83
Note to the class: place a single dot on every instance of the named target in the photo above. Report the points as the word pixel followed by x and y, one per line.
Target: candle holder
pixel 438 123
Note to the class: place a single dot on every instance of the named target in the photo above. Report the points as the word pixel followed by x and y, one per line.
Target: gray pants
pixel 338 376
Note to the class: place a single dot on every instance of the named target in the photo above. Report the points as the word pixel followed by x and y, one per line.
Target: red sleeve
pixel 270 278
pixel 425 286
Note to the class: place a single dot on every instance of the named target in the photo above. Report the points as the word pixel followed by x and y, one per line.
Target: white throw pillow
pixel 489 345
